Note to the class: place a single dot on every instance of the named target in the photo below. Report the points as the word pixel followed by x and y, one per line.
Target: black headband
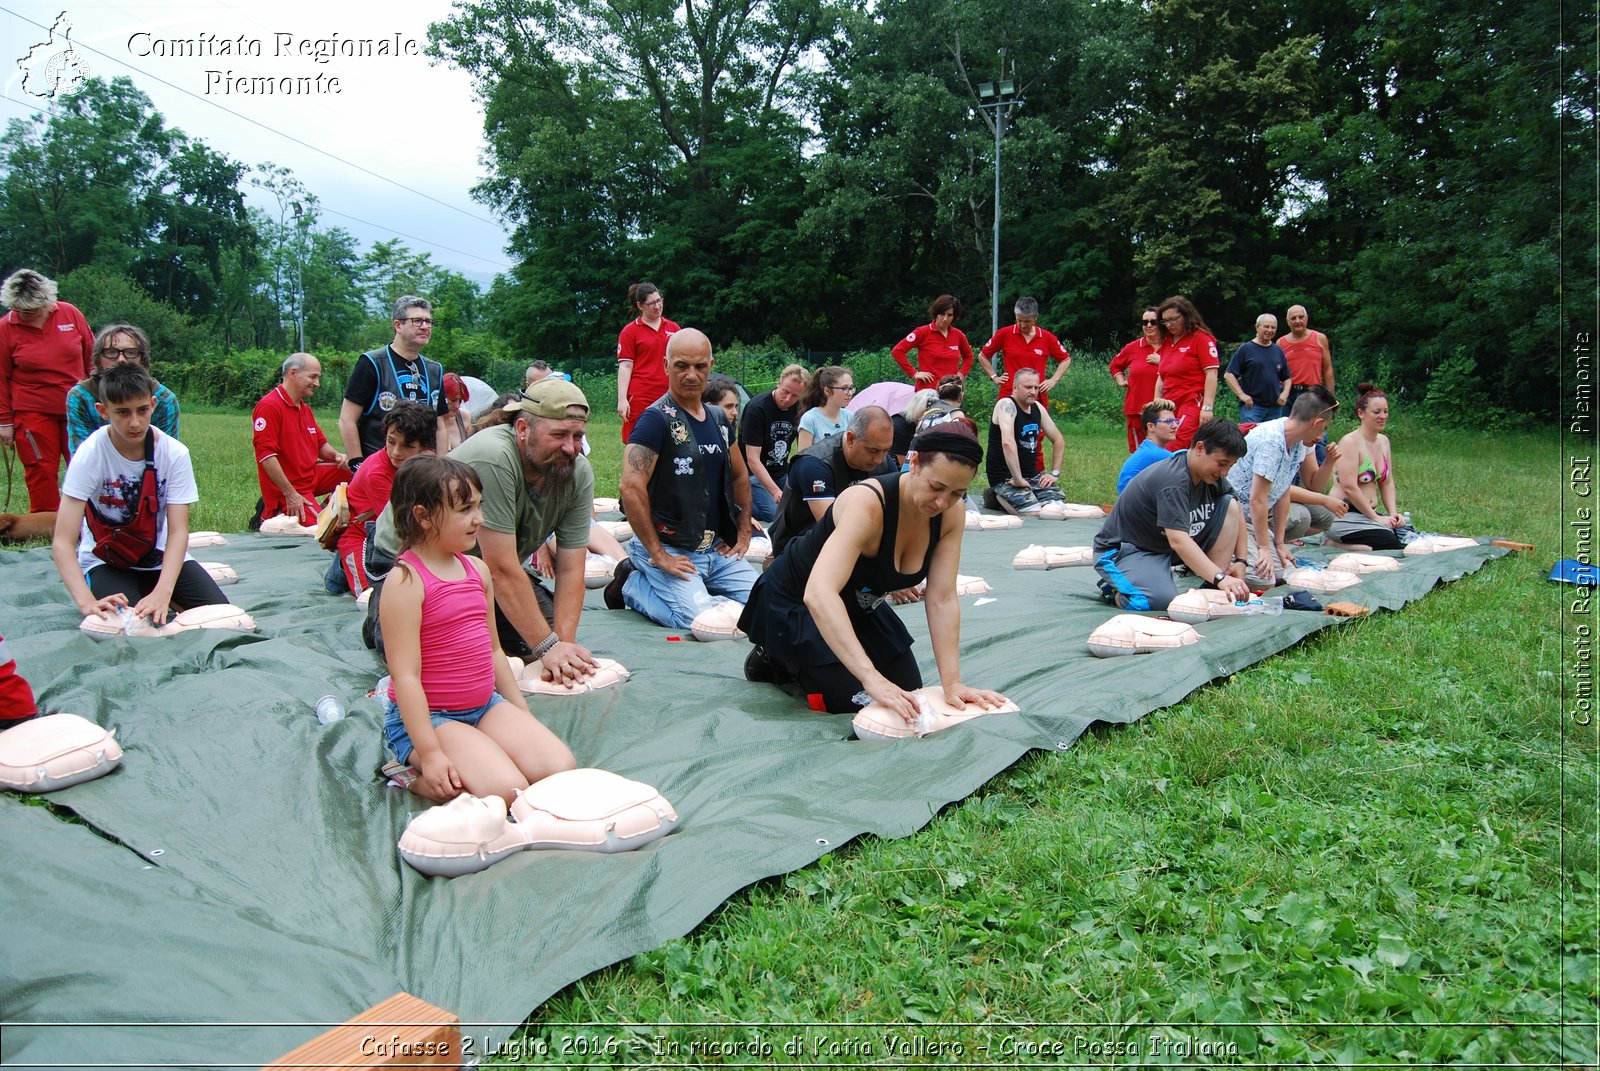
pixel 961 447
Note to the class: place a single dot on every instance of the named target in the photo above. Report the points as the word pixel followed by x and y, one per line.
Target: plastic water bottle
pixel 132 624
pixel 1272 607
pixel 1405 518
pixel 381 692
pixel 329 709
pixel 923 725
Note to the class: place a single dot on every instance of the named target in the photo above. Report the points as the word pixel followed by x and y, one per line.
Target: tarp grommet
pixel 822 842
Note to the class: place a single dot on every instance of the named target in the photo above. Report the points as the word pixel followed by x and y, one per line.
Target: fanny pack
pixel 131 544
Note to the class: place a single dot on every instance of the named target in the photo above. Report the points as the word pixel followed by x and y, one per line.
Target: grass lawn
pixel 1379 846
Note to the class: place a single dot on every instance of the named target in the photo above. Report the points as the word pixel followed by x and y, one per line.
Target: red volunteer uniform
pixel 1184 362
pixel 38 366
pixel 368 493
pixel 646 347
pixel 1018 353
pixel 939 355
pixel 1132 361
pixel 16 698
pixel 290 433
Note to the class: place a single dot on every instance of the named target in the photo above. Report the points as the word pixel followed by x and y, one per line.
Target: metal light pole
pixel 999 96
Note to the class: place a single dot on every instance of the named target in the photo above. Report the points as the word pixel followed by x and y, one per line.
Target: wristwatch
pixel 1220 577
pixel 1056 473
pixel 1238 561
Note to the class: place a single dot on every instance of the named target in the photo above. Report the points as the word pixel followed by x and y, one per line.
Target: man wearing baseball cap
pixel 536 481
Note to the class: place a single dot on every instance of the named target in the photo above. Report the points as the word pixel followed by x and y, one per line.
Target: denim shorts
pixel 394 726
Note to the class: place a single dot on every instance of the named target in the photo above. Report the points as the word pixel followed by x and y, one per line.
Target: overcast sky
pixel 403 117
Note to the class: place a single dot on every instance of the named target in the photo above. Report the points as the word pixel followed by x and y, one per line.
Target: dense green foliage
pixel 138 222
pixel 818 171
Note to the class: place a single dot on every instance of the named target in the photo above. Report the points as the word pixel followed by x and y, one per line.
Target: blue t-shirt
pixel 1260 370
pixel 1147 454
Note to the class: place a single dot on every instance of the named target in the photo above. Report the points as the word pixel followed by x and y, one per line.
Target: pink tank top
pixel 457 654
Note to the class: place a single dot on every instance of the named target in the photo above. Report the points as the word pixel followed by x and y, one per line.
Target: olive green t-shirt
pixel 509 505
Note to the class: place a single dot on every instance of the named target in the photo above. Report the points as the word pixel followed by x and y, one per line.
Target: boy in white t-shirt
pixel 121 540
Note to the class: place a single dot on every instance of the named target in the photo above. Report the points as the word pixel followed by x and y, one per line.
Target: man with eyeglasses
pixel 1277 453
pixel 1160 418
pixel 388 375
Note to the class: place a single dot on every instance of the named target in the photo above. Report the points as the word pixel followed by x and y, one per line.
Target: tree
pixel 103 181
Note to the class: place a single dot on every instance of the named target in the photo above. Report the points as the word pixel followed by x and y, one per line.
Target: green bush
pixel 238 380
pixel 107 297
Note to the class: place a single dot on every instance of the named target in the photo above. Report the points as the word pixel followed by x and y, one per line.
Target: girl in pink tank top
pixel 455 711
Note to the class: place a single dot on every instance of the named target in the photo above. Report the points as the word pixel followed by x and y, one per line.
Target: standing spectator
pixel 771 423
pixel 1025 344
pixel 114 345
pixel 1188 373
pixel 826 405
pixel 1258 375
pixel 454 425
pixel 295 462
pixel 642 355
pixel 942 348
pixel 1310 357
pixel 1135 369
pixel 46 347
pixel 394 373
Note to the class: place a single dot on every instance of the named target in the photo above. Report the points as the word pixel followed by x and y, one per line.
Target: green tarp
pixel 235 887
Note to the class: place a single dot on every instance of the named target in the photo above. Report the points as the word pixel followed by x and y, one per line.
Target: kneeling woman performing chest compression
pixel 821 614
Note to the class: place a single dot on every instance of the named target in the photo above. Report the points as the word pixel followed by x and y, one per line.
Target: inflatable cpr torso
pixel 586 810
pixel 1038 557
pixel 1438 544
pixel 530 678
pixel 989 522
pixel 1203 604
pixel 1066 511
pixel 1128 634
pixel 876 722
pixel 220 616
pixel 1362 564
pixel 719 622
pixel 1320 579
pixel 55 751
pixel 284 525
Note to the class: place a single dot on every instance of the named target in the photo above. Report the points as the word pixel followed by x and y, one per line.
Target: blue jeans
pixel 1259 414
pixel 394 726
pixel 763 507
pixel 675 603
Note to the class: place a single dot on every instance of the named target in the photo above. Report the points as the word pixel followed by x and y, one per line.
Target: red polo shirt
pixel 39 365
pixel 1141 374
pixel 646 347
pixel 1184 362
pixel 289 432
pixel 1019 353
pixel 941 355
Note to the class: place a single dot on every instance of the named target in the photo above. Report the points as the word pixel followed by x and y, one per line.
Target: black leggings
pixel 194 587
pixel 832 688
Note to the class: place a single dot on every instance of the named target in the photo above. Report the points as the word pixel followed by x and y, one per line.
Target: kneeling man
pixel 1178 510
pixel 1278 452
pixel 824 469
pixel 686 491
pixel 1013 463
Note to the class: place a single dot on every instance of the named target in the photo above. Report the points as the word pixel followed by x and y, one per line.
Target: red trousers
pixel 1188 415
pixel 41 443
pixel 1135 422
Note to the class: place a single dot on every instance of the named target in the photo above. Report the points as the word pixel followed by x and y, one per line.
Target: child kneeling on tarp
pixel 455 710
pixel 122 534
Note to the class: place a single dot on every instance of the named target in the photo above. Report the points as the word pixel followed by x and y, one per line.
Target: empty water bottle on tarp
pixel 329 709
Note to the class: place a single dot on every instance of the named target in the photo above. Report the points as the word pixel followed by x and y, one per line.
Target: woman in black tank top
pixel 820 614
